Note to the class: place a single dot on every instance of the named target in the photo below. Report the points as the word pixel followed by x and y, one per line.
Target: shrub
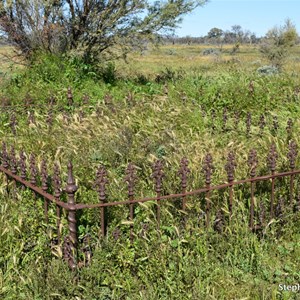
pixel 211 51
pixel 268 70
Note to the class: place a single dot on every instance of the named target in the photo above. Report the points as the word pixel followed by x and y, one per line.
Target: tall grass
pixel 160 105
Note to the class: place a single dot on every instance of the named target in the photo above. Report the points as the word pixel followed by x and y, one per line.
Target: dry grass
pixel 191 58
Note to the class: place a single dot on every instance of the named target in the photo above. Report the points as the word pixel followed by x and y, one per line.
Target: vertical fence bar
pixel 292 155
pixel 131 178
pixel 207 170
pixel 230 169
pixel 271 161
pixel 158 175
pixel 252 163
pixel 22 165
pixel 33 171
pixel 45 188
pixel 100 184
pixel 57 192
pixel 262 124
pixel 183 173
pixel 71 189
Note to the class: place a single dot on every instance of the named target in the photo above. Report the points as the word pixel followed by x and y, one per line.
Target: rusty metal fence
pixel 29 175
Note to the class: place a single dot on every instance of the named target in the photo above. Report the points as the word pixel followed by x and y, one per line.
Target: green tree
pixel 94 29
pixel 215 36
pixel 277 43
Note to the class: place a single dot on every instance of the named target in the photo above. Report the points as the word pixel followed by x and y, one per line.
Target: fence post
pixel 33 171
pixel 271 160
pixel 252 163
pixel 158 175
pixel 100 183
pixel 22 164
pixel 71 189
pixel 207 170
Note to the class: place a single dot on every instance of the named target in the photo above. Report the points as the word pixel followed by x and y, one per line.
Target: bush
pixel 268 70
pixel 211 51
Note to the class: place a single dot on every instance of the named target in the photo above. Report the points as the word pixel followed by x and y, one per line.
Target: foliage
pixel 211 51
pixel 277 43
pixel 89 29
pixel 134 118
pixel 267 70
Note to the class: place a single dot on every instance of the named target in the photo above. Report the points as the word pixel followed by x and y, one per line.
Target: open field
pixel 164 104
pixel 190 58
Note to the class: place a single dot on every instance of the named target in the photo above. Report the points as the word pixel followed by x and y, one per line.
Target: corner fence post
pixel 71 189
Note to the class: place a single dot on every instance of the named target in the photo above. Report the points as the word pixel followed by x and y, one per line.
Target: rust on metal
pixel 13 161
pixel 34 188
pixel 262 123
pixel 225 118
pixel 289 127
pixel 100 185
pixel 183 173
pixel 194 192
pixel 271 161
pixel 252 163
pixel 22 164
pixel 248 123
pixel 33 169
pixel 68 253
pixel 70 96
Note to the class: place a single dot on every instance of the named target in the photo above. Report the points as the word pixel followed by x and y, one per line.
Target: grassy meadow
pixel 164 103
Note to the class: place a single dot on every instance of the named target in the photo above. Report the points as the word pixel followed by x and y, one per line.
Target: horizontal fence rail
pixel 24 171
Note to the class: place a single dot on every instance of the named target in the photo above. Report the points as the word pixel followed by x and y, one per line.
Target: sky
pixel 258 16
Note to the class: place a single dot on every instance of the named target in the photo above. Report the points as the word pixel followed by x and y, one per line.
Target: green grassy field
pixel 157 105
